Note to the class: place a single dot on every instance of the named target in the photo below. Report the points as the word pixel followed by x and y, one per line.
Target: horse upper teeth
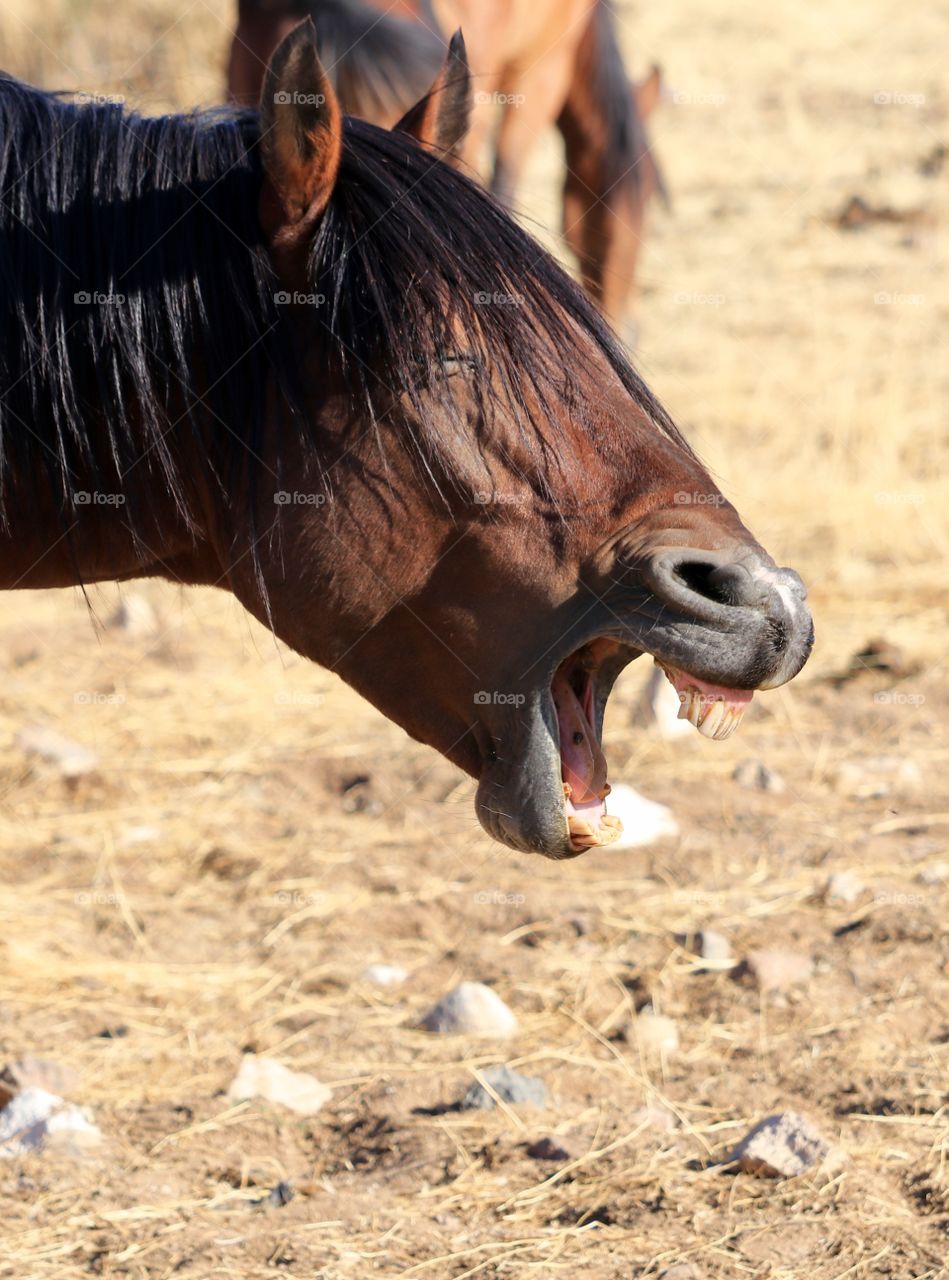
pixel 711 717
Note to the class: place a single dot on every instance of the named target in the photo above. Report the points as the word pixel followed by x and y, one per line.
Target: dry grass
pixel 205 891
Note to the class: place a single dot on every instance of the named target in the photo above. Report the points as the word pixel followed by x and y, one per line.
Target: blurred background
pixel 243 836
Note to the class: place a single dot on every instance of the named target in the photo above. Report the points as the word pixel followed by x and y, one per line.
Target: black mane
pixel 137 300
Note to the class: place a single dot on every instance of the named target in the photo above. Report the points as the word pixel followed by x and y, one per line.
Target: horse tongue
pixel 583 764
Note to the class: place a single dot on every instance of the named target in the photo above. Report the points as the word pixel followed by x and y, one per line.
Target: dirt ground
pixel 255 835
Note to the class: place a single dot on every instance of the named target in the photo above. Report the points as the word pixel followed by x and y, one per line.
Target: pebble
pixel 656 1033
pixel 714 947
pixel 680 1271
pixel 35 1120
pixel 935 875
pixel 644 821
pixel 72 759
pixel 471 1009
pixel 655 1117
pixel 134 617
pixel 548 1149
pixel 510 1086
pixel 755 775
pixel 783 1146
pixel 873 777
pixel 777 970
pixel 843 886
pixel 266 1078
pixel 385 975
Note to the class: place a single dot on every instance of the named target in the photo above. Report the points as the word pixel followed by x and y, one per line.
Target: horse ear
pixel 301 127
pixel 648 92
pixel 440 120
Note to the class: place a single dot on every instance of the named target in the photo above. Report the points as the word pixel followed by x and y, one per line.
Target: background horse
pixel 535 65
pixel 297 357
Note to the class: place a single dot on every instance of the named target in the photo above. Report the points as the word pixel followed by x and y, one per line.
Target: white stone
pixel 471 1009
pixel 35 1119
pixel 385 975
pixel 266 1078
pixel 843 886
pixel 783 1146
pixel 776 970
pixel 656 1033
pixel 72 759
pixel 715 947
pixel 644 821
pixel 755 775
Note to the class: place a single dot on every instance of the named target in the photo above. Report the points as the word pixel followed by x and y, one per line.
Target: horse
pixel 539 64
pixel 303 359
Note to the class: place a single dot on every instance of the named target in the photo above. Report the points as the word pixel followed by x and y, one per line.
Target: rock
pixel 659 708
pixel 548 1149
pixel 755 775
pixel 37 1073
pixel 843 886
pixel 510 1086
pixel 70 758
pixel 680 1271
pixel 35 1120
pixel 655 1033
pixel 266 1078
pixel 643 820
pixel 714 947
pixel 873 777
pixel 655 1117
pixel 281 1195
pixel 935 875
pixel 385 975
pixel 777 970
pixel 472 1009
pixel 783 1146
pixel 134 618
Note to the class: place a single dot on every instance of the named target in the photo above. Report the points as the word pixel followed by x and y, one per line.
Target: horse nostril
pixel 728 584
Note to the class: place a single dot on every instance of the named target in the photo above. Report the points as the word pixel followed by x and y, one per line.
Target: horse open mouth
pixel 714 710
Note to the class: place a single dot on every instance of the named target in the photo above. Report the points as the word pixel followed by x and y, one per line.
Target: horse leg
pixel 531 100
